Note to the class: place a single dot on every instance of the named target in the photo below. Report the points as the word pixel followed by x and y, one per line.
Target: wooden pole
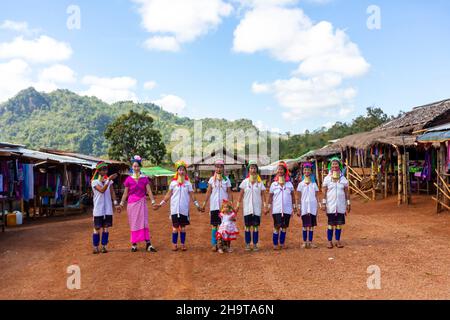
pixel 399 177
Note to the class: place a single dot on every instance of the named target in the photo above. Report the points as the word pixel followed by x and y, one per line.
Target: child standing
pixel 228 230
pixel 180 194
pixel 336 201
pixel 219 189
pixel 308 195
pixel 282 197
pixel 104 195
pixel 253 193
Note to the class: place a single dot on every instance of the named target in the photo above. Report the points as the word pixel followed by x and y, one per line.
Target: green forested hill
pixel 66 121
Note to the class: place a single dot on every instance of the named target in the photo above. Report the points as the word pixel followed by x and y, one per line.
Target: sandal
pixel 330 245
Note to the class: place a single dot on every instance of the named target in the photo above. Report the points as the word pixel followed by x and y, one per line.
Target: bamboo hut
pixel 388 160
pixel 440 135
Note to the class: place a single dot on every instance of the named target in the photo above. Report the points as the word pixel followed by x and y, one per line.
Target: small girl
pixel 228 230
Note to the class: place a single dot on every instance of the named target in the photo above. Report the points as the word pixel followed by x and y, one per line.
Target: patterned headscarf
pixel 179 164
pixel 220 162
pixel 287 175
pixel 98 167
pixel 333 160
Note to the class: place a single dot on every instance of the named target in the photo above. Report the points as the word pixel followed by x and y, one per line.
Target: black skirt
pixel 309 220
pixel 336 219
pixel 103 222
pixel 252 220
pixel 180 221
pixel 281 221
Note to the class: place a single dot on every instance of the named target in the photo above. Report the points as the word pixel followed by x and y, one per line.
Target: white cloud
pixel 58 73
pixel 18 27
pixel 14 76
pixel 312 97
pixel 180 21
pixel 150 85
pixel 162 44
pixel 171 103
pixel 40 50
pixel 325 56
pixel 110 90
pixel 51 78
pixel 260 88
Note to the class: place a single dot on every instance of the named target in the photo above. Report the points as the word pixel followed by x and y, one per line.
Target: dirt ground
pixel 409 244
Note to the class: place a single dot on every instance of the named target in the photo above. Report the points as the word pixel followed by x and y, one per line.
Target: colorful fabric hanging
pixel 28 182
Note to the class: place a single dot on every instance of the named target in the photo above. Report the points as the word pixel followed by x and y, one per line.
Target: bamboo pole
pixel 358 190
pixel 442 191
pixel 399 174
pixel 440 203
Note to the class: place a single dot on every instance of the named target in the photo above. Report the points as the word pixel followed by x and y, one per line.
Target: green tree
pixel 133 134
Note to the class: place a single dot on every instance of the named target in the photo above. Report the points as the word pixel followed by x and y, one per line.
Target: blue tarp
pixel 438 136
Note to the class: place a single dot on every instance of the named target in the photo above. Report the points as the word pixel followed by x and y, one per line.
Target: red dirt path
pixel 409 244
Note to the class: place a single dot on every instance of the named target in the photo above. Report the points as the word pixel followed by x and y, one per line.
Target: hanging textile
pixel 426 172
pixel 28 182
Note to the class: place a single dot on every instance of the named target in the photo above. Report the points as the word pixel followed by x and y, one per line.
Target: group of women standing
pixel 283 201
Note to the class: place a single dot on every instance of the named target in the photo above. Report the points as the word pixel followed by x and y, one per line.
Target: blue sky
pixel 235 59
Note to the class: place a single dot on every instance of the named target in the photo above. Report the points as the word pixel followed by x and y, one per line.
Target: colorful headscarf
pixel 98 167
pixel 178 164
pixel 310 166
pixel 287 175
pixel 335 159
pixel 220 162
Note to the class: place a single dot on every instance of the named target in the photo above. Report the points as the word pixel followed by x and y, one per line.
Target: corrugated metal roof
pixel 39 155
pixel 435 136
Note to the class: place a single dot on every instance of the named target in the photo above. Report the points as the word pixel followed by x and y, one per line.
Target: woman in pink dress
pixel 137 186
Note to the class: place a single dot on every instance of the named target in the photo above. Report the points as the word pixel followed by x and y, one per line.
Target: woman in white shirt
pixel 307 205
pixel 336 201
pixel 282 200
pixel 219 189
pixel 180 194
pixel 253 193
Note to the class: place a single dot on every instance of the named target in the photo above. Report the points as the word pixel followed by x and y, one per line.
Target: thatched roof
pixel 421 117
pixel 325 151
pixel 366 139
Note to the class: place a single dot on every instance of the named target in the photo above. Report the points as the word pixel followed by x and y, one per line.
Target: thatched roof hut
pixel 420 118
pixel 400 131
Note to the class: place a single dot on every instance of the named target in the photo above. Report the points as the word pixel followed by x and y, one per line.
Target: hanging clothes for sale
pixel 28 182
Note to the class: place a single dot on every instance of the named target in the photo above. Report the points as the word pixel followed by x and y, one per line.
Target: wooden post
pixel 399 175
pixel 349 164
